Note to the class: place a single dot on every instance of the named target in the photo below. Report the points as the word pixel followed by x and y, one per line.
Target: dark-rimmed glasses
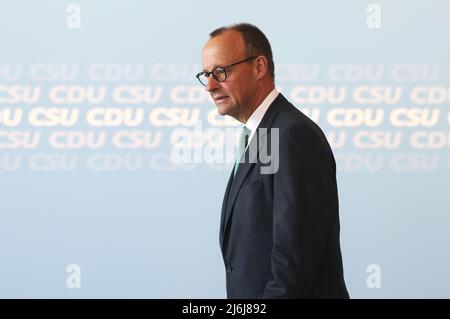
pixel 219 73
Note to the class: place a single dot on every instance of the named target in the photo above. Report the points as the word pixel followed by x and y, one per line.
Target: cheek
pixel 238 95
pixel 234 97
pixel 232 92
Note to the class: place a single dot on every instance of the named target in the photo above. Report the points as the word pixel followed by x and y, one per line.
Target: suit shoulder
pixel 292 121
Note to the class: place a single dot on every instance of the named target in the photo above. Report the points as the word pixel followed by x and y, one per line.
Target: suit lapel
pixel 251 159
pixel 224 207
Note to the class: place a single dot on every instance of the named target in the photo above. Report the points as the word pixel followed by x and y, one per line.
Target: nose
pixel 212 84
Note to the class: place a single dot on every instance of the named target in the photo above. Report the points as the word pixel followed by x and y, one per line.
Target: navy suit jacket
pixel 279 233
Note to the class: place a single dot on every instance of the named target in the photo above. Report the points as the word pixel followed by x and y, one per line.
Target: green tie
pixel 243 139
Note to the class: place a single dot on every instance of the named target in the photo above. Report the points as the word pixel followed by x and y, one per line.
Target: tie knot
pixel 245 133
pixel 243 141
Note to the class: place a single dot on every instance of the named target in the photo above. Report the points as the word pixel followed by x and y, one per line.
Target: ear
pixel 261 66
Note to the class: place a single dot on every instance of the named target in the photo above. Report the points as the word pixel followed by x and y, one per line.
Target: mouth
pixel 220 99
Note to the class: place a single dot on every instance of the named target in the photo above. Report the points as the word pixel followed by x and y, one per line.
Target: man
pixel 279 232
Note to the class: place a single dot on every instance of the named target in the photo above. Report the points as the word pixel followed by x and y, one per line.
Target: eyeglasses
pixel 219 73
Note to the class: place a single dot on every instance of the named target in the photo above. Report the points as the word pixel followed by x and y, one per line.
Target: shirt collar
pixel 258 114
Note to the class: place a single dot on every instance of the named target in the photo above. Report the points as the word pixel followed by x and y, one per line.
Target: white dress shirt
pixel 256 117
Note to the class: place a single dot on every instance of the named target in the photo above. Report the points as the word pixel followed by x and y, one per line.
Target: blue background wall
pixel 139 225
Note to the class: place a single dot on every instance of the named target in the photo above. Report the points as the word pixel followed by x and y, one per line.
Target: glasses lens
pixel 203 79
pixel 220 74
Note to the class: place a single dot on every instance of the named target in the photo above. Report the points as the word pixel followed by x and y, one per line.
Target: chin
pixel 222 110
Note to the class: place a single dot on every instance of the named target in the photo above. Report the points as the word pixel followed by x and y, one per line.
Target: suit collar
pixel 257 116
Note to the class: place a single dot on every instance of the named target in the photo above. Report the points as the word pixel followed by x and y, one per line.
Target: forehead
pixel 223 49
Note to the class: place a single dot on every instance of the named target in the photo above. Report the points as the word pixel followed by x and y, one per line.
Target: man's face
pixel 233 96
